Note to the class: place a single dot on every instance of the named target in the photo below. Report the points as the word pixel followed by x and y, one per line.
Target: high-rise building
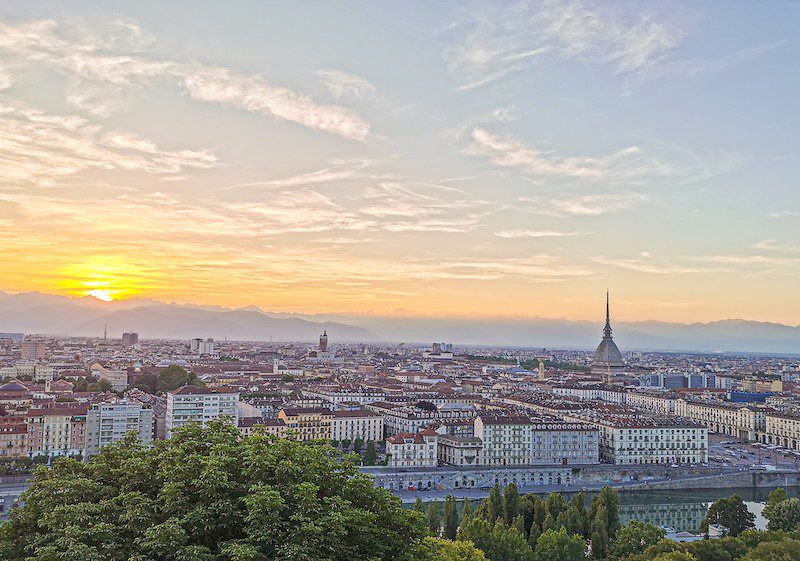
pixel 130 339
pixel 202 346
pixel 194 404
pixel 117 378
pixel 109 422
pixel 33 349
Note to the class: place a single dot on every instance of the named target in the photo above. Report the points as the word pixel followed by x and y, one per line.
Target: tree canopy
pixel 208 495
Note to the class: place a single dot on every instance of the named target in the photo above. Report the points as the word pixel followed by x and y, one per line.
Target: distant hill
pixel 48 314
pixel 35 312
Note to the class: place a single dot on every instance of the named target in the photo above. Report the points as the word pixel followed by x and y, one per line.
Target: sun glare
pixel 103 295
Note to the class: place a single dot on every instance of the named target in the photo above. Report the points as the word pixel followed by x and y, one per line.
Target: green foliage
pixel 607 500
pixel 434 520
pixel 675 556
pixel 466 510
pixel 730 513
pixel 358 444
pixel 635 537
pixel 497 541
pixel 174 377
pixel 784 515
pixel 785 550
pixel 494 505
pixel 722 549
pixel 559 546
pixel 510 504
pixel 370 454
pixel 419 506
pixel 450 528
pixel 207 494
pixel 435 549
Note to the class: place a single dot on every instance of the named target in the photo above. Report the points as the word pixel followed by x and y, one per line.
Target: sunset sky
pixel 446 158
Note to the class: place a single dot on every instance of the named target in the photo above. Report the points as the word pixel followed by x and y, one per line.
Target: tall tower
pixel 323 341
pixel 607 358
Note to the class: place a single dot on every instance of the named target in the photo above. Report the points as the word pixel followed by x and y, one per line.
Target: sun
pixel 104 295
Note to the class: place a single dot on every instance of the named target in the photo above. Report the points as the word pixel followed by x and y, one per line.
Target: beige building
pixel 117 378
pixel 200 405
pixel 412 449
pixel 782 429
pixel 33 349
pixel 57 431
pixel 732 419
pixel 459 450
pixel 248 426
pixel 311 423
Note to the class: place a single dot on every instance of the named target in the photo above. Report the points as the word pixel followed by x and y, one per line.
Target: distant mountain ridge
pixel 35 312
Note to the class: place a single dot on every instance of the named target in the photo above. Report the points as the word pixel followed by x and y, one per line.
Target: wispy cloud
pixel 518 234
pixel 653 267
pixel 628 164
pixel 503 40
pixel 580 205
pixel 343 84
pixel 774 245
pixel 102 72
pixel 37 148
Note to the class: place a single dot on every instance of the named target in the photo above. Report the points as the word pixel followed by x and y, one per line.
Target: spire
pixel 607 328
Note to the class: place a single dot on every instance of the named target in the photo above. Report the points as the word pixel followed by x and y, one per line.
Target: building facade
pixel 201 405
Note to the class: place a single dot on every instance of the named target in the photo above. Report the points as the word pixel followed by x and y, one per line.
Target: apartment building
pixel 732 419
pixel 310 423
pixel 782 429
pixel 110 422
pixel 628 436
pixel 460 450
pixel 57 431
pixel 116 377
pixel 201 405
pixel 359 423
pixel 412 419
pixel 13 436
pixel 507 439
pixel 248 426
pixel 412 449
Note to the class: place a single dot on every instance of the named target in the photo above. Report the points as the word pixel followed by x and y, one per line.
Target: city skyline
pixel 512 159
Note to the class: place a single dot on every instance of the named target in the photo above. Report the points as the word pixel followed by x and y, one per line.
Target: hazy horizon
pixel 456 160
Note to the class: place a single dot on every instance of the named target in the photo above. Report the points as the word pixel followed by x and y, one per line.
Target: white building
pixel 117 378
pixel 193 404
pixel 521 440
pixel 412 449
pixel 349 425
pixel 631 437
pixel 109 422
pixel 202 346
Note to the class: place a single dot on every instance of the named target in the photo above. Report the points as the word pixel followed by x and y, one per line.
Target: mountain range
pixel 36 312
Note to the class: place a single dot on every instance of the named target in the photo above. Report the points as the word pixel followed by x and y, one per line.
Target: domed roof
pixel 607 354
pixel 13 387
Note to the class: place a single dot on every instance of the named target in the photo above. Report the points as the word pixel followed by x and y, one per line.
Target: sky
pixel 406 158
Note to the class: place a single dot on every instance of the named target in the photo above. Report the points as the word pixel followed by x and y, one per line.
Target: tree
pixel 370 454
pixel 346 444
pixel 607 499
pixel 419 506
pixel 494 504
pixel 675 556
pixel 173 377
pixel 146 382
pixel 358 444
pixel 599 537
pixel 785 550
pixel 435 549
pixel 434 522
pixel 510 503
pixel 730 513
pixel 208 494
pixel 466 510
pixel 578 503
pixel 559 546
pixel 554 504
pixel 776 496
pixel 635 537
pixel 785 515
pixel 450 529
pixel 722 549
pixel 498 542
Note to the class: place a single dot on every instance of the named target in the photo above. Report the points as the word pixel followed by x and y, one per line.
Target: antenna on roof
pixel 105 332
